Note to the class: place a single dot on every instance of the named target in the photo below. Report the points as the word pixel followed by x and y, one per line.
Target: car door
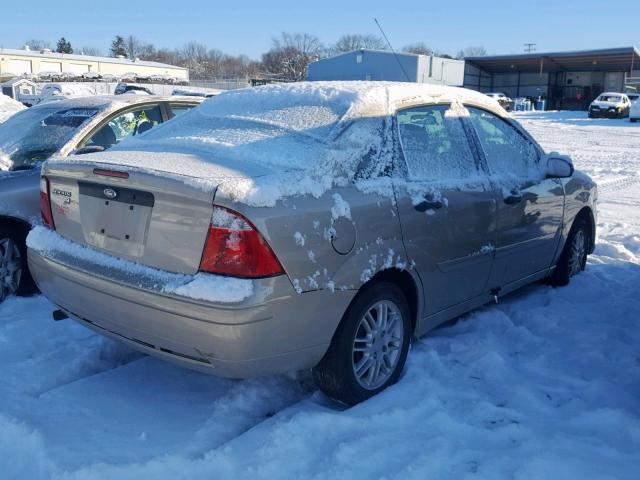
pixel 531 207
pixel 446 205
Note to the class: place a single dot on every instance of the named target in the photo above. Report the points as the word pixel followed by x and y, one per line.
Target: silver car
pixel 60 128
pixel 313 225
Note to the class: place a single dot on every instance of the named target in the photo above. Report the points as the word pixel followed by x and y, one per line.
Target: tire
pixel 573 259
pixel 336 373
pixel 633 120
pixel 15 278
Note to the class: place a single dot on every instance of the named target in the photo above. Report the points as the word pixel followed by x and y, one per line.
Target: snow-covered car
pixel 634 109
pixel 312 225
pixel 132 89
pixel 8 107
pixel 504 101
pixel 61 128
pixel 610 104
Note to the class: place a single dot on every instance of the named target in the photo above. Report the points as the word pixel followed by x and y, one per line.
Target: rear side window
pixel 131 123
pixel 435 145
pixel 506 150
pixel 179 108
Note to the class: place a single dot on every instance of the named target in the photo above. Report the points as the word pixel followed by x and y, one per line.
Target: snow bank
pixel 202 286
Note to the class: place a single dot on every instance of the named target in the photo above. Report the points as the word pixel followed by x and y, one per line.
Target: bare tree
pixel 419 48
pixel 291 54
pixel 472 52
pixel 348 43
pixel 35 44
pixel 138 49
pixel 92 51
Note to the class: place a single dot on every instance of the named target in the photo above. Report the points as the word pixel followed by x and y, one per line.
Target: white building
pixel 24 62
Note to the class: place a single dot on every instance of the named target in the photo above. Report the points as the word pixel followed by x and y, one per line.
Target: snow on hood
pixel 8 106
pixel 261 144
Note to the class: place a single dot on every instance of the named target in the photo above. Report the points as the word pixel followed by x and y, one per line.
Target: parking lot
pixel 485 396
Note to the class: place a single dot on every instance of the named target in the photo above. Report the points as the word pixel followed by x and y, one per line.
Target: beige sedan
pixel 313 225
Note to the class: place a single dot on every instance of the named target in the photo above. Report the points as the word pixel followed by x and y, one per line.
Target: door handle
pixel 428 205
pixel 513 199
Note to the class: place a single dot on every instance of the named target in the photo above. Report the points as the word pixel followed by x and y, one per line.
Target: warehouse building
pixel 28 62
pixel 566 80
pixel 389 66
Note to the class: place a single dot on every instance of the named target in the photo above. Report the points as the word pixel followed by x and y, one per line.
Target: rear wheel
pixel 573 259
pixel 369 348
pixel 14 272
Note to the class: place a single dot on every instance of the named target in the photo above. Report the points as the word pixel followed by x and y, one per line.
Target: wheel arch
pixel 16 222
pixel 407 282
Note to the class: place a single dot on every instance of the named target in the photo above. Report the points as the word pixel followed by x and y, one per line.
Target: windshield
pixel 610 98
pixel 37 133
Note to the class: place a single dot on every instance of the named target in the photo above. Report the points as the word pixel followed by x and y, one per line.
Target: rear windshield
pixel 610 98
pixel 281 129
pixel 37 133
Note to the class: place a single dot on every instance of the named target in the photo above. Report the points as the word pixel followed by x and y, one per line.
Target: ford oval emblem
pixel 110 193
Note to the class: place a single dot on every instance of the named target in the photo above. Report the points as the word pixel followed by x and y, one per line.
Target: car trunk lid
pixel 159 220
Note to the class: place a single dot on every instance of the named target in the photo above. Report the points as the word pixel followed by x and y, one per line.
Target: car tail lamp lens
pixel 45 203
pixel 235 248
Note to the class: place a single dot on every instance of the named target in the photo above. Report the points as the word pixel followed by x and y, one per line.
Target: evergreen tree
pixel 63 46
pixel 118 47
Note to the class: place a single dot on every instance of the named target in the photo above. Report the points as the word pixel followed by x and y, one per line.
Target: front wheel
pixel 573 259
pixel 369 348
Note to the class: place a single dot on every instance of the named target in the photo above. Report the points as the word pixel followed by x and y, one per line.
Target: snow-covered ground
pixel 544 385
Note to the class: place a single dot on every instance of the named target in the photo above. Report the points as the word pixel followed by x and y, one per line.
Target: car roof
pixel 612 93
pixel 104 101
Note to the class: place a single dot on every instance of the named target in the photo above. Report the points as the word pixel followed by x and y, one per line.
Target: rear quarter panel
pixel 335 242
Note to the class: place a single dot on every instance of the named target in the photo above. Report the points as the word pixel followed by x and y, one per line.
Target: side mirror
pixel 559 166
pixel 89 149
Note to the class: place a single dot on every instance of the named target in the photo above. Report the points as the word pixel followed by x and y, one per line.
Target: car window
pixel 131 123
pixel 180 108
pixel 506 149
pixel 435 144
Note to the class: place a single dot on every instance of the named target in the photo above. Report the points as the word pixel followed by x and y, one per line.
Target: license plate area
pixel 115 219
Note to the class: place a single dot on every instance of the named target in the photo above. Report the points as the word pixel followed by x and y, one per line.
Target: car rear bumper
pixel 276 330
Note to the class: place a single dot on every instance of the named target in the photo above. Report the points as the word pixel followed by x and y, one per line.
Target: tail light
pixel 45 203
pixel 235 248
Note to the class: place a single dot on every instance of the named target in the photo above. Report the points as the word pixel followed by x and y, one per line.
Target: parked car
pixel 123 88
pixel 634 107
pixel 610 104
pixel 61 128
pixel 312 225
pixel 633 96
pixel 504 101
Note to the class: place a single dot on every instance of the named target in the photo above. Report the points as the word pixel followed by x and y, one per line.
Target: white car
pixel 504 101
pixel 634 109
pixel 610 104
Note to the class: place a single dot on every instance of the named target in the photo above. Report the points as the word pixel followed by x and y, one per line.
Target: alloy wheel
pixel 377 344
pixel 577 253
pixel 10 267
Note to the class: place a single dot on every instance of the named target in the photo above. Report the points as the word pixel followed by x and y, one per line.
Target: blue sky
pixel 246 26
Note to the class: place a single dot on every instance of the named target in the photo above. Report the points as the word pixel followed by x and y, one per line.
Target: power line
pixel 529 47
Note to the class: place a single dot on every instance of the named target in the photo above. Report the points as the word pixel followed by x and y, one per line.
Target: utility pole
pixel 529 47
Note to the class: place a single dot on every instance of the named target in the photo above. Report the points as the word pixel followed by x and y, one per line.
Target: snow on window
pixel 435 145
pixel 507 151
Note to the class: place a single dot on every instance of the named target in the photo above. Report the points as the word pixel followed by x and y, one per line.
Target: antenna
pixel 529 47
pixel 392 50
